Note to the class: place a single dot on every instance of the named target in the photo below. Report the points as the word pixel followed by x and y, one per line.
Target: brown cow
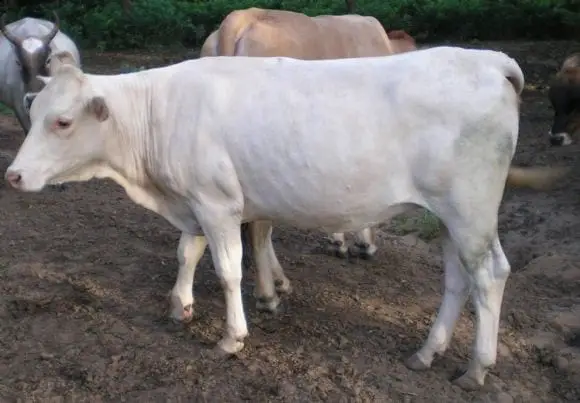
pixel 564 96
pixel 400 42
pixel 263 32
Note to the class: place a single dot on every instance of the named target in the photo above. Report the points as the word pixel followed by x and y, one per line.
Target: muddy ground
pixel 84 275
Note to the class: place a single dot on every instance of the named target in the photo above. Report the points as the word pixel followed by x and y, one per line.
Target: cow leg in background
pixel 269 272
pixel 264 291
pixel 364 245
pixel 483 270
pixel 281 282
pixel 189 252
pixel 338 245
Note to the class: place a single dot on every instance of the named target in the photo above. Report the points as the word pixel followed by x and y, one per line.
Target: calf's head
pixel 564 96
pixel 32 54
pixel 66 139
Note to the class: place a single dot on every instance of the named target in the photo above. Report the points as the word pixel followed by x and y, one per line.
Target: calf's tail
pixel 513 72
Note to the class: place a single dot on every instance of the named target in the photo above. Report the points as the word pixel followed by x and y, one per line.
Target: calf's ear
pixel 28 99
pixel 59 59
pixel 99 108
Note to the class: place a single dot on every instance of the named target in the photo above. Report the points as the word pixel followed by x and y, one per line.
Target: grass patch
pixel 425 224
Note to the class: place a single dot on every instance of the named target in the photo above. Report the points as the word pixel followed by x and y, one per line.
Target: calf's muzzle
pixel 13 178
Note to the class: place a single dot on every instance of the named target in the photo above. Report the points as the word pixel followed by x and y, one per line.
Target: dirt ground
pixel 84 275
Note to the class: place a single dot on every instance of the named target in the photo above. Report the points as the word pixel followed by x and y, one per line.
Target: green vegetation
pixel 425 224
pixel 132 24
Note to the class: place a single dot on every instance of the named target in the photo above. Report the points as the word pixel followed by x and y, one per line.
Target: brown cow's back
pixel 259 32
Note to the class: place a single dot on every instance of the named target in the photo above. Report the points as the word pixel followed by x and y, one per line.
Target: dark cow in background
pixel 565 99
pixel 25 51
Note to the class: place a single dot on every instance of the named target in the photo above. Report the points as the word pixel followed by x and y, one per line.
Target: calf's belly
pixel 328 211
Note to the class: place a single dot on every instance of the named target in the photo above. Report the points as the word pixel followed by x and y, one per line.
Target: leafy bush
pixel 105 24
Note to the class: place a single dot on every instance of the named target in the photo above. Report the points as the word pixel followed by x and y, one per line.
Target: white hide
pixel 11 86
pixel 210 143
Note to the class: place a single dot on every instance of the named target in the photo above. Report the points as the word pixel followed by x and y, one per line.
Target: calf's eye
pixel 62 124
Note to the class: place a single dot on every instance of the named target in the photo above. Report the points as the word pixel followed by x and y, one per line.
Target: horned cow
pixel 25 52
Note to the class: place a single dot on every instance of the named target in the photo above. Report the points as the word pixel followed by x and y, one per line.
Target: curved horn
pixel 50 36
pixel 7 34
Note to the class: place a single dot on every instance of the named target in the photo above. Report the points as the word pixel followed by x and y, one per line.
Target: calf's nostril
pixel 14 178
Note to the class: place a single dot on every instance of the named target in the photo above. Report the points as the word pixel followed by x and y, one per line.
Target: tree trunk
pixel 350 6
pixel 126 6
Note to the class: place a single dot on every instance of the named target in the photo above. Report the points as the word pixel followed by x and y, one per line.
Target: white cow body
pixel 214 142
pixel 12 87
pixel 264 32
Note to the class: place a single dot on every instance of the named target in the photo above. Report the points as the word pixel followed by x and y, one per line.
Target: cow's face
pixel 32 54
pixel 32 58
pixel 565 100
pixel 564 96
pixel 65 141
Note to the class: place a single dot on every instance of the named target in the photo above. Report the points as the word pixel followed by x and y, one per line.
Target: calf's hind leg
pixel 474 263
pixel 454 297
pixel 489 273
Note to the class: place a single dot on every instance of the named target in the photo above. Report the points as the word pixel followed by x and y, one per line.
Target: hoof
pixel 227 347
pixel 415 363
pixel 338 250
pixel 271 305
pixel 179 312
pixel 183 316
pixel 283 286
pixel 467 382
pixel 363 251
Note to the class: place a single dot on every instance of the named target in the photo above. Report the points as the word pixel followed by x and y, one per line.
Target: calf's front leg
pixel 222 232
pixel 189 252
